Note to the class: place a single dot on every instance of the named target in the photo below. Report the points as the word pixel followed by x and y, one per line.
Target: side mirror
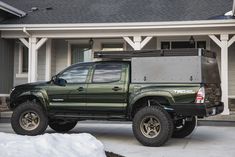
pixel 53 79
pixel 60 82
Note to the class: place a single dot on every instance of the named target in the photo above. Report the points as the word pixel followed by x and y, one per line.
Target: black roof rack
pixel 153 53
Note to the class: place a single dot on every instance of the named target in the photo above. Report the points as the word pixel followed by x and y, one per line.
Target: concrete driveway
pixel 206 141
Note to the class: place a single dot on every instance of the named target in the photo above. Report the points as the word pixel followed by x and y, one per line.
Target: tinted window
pixel 77 74
pixel 107 73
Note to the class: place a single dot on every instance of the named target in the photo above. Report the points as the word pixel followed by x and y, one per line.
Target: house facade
pixel 39 39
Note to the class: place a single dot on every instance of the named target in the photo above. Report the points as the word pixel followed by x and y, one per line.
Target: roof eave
pixel 132 25
pixel 11 9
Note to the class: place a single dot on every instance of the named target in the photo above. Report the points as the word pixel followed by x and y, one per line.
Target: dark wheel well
pixel 23 99
pixel 146 101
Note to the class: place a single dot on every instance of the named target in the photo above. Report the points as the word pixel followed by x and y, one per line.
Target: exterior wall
pixel 18 79
pixel 231 65
pixel 41 63
pixel 6 65
pixel 231 70
pixel 60 48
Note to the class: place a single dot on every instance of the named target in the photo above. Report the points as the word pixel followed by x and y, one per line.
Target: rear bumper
pixel 201 110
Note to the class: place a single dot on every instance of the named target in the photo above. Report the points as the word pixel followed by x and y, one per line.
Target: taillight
pixel 200 97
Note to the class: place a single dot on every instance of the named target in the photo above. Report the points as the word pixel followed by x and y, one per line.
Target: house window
pixel 80 53
pixel 25 56
pixel 182 44
pixel 112 47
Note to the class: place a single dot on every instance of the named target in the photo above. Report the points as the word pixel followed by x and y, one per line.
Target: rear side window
pixel 107 72
pixel 77 74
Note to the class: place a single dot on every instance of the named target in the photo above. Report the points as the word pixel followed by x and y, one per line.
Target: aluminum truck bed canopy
pixel 169 66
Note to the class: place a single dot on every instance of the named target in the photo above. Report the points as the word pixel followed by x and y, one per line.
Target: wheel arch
pixel 151 100
pixel 37 97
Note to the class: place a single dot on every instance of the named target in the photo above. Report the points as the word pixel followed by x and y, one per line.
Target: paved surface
pixel 206 141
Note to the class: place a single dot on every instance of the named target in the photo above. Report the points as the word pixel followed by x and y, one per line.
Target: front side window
pixel 76 74
pixel 107 72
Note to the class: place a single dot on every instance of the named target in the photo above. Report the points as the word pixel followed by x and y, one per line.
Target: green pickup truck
pixel 161 91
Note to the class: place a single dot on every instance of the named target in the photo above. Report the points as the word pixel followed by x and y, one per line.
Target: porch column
pixel 137 43
pixel 224 71
pixel 33 60
pixel 48 61
pixel 224 44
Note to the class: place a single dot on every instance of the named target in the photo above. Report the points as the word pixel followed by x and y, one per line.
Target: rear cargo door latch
pixel 191 78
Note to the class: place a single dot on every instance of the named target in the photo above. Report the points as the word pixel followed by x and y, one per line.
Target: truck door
pixel 72 96
pixel 107 90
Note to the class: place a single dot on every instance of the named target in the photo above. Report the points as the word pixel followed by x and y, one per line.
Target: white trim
pixel 24 41
pixel 129 41
pixel 128 25
pixel 4 95
pixel 215 39
pixel 22 75
pixel 145 41
pixel 137 43
pixel 40 43
pixel 224 71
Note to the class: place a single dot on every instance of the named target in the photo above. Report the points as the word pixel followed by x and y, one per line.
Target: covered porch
pixel 53 47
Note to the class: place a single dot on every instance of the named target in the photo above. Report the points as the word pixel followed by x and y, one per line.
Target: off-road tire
pixel 27 107
pixel 165 121
pixel 186 129
pixel 62 127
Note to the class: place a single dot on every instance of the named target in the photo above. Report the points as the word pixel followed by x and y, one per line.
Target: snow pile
pixel 50 145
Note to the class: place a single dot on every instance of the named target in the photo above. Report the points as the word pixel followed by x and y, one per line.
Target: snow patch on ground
pixel 50 145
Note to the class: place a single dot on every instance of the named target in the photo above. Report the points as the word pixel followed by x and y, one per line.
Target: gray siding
pixel 41 63
pixel 6 65
pixel 60 50
pixel 17 80
pixel 231 65
pixel 231 70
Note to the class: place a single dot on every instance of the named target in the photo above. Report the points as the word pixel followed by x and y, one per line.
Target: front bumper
pixel 200 110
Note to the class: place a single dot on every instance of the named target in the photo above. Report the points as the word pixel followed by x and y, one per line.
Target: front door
pixel 71 97
pixel 107 90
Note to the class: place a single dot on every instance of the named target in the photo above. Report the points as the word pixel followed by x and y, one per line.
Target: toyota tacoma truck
pixel 162 92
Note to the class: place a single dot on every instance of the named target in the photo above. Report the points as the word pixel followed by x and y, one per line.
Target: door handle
pixel 80 89
pixel 116 88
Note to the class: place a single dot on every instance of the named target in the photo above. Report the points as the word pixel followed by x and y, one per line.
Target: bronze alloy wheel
pixel 150 127
pixel 29 120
